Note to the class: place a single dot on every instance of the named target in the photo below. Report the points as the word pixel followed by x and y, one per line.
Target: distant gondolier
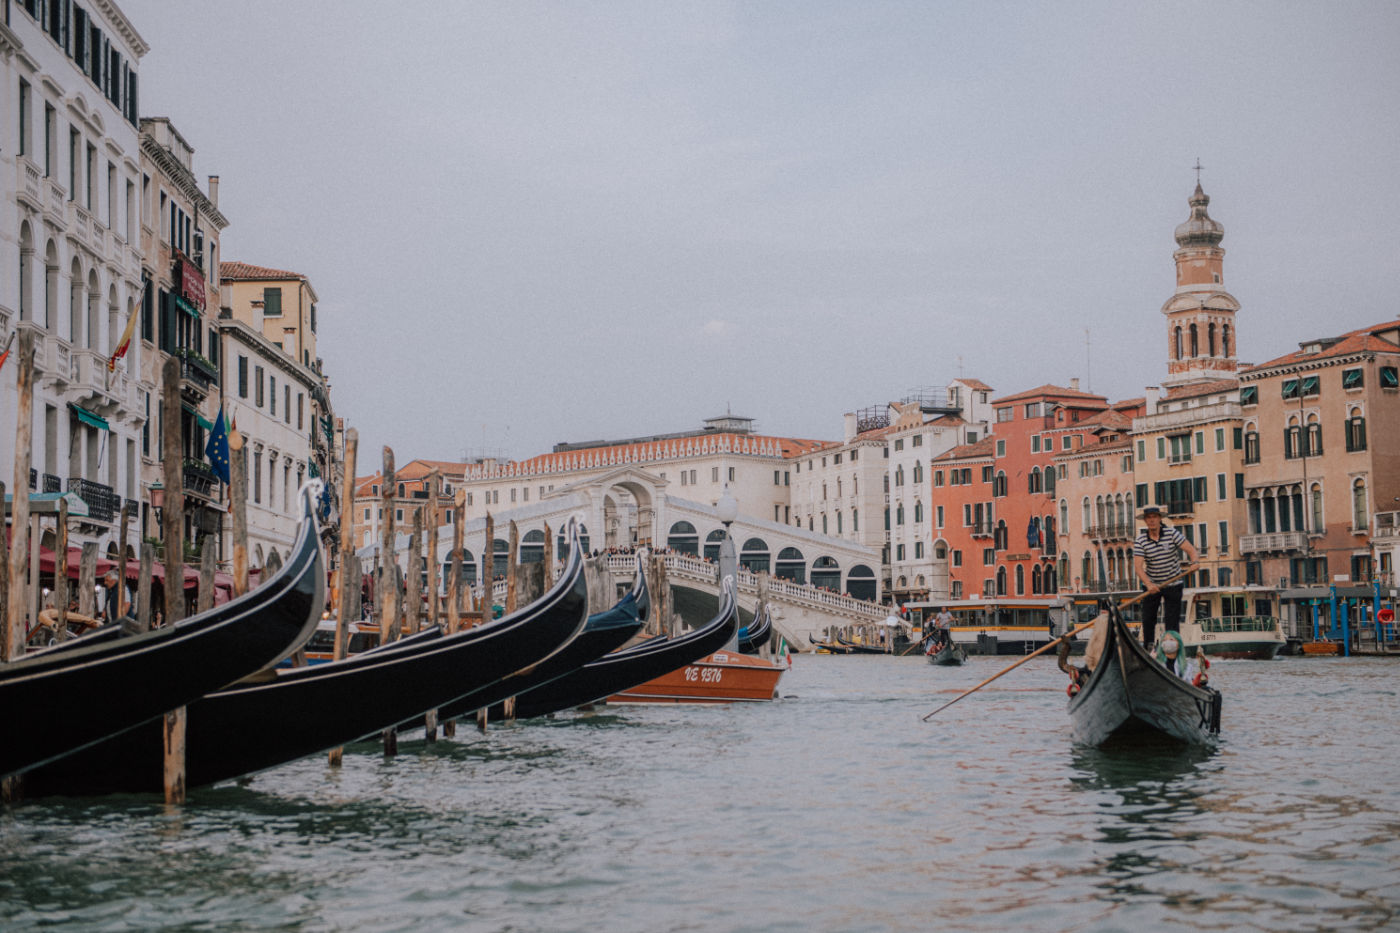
pixel 1157 559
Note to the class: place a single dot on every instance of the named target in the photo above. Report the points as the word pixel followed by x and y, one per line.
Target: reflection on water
pixel 836 810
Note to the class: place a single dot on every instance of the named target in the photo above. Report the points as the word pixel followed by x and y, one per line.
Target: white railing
pixel 1278 541
pixel 1387 525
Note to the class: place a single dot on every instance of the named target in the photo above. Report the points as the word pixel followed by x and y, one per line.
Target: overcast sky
pixel 532 223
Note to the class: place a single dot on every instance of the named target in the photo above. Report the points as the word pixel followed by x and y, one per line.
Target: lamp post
pixel 727 510
pixel 158 501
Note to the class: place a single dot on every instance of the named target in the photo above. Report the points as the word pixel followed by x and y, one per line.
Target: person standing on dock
pixel 1157 560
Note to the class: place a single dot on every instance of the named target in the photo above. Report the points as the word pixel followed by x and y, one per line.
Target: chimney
pixel 214 190
pixel 1074 383
pixel 850 426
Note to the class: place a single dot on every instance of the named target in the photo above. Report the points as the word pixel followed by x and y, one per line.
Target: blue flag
pixel 217 448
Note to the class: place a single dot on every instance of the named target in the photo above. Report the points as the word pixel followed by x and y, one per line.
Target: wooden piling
pixel 4 581
pixel 433 529
pixel 12 638
pixel 206 576
pixel 488 570
pixel 238 513
pixel 512 562
pixel 349 582
pixel 123 523
pixel 173 518
pixel 87 579
pixel 413 597
pixel 548 557
pixel 143 588
pixel 60 571
pixel 385 596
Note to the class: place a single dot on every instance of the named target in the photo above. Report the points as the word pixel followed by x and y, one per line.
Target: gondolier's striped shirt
pixel 1161 559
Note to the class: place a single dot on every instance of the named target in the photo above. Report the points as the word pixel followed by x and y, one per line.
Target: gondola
pixel 620 670
pixel 756 634
pixel 603 632
pixel 68 697
pixel 1128 692
pixel 830 647
pixel 855 647
pixel 297 712
pixel 948 654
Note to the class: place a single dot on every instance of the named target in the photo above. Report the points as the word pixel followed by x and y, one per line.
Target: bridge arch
pixel 469 573
pixel 562 549
pixel 712 541
pixel 532 547
pixel 826 573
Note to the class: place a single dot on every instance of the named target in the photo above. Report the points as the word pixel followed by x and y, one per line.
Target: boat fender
pixel 1072 690
pixel 1201 678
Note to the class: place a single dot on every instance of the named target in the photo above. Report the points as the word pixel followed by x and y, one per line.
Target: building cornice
pixel 1298 366
pixel 183 178
pixel 123 25
pixel 268 351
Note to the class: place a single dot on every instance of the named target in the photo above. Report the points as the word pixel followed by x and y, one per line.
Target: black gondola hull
pixel 948 655
pixel 1130 693
pixel 252 727
pixel 68 698
pixel 623 670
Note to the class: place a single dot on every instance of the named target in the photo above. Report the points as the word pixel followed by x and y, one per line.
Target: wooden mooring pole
pixel 12 638
pixel 387 577
pixel 60 571
pixel 173 518
pixel 349 566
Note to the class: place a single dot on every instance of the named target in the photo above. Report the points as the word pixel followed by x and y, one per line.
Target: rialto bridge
pixel 812 581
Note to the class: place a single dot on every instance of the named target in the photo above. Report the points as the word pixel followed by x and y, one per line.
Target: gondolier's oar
pixel 1053 642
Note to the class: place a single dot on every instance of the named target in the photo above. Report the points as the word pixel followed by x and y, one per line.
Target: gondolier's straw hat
pixel 1150 510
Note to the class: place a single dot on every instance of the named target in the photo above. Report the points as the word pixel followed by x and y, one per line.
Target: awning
pixel 204 422
pixel 185 306
pixel 87 417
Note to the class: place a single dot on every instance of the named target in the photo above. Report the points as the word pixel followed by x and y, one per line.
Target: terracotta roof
pixel 1110 418
pixel 1202 388
pixel 1051 390
pixel 1139 402
pixel 235 271
pixel 974 384
pixel 1356 341
pixel 949 421
pixel 874 433
pixel 986 447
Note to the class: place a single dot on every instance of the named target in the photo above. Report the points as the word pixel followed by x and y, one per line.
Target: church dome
pixel 1199 230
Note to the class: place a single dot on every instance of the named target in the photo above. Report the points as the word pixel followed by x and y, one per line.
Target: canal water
pixel 835 809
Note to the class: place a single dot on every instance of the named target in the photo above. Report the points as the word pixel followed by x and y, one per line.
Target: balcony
pixel 1179 507
pixel 983 529
pixel 196 374
pixel 199 478
pixel 1111 531
pixel 101 501
pixel 52 483
pixel 1387 525
pixel 1281 541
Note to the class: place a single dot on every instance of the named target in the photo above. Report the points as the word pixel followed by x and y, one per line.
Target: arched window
pixel 532 547
pixel 683 538
pixel 826 573
pixel 1293 439
pixel 1001 581
pixel 712 541
pixel 754 555
pixel 1251 444
pixel 1210 339
pixel 1086 572
pixel 1050 582
pixel 1035 581
pixel 1225 340
pixel 75 304
pixel 1195 342
pixel 1316 497
pixel 918 512
pixel 468 569
pixel 999 484
pixel 999 536
pixel 860 582
pixel 899 475
pixel 1176 343
pixel 899 514
pixel 562 540
pixel 918 473
pixel 1356 430
pixel 1033 480
pixel 1360 515
pixel 1088 517
pixel 1314 445
pixel 791 565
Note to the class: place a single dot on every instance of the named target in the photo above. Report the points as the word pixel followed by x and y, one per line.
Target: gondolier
pixel 1156 559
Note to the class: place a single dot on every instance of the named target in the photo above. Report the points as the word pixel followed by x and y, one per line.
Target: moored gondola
pixel 254 726
pixel 855 647
pixel 1128 692
pixel 76 694
pixel 830 647
pixel 757 633
pixel 638 664
pixel 603 632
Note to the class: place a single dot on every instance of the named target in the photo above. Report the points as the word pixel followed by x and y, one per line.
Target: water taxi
pixel 721 677
pixel 1231 622
pixel 998 624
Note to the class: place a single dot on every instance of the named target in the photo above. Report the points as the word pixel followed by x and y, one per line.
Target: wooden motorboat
pixel 250 727
pixel 82 692
pixel 603 632
pixel 638 664
pixel 1322 648
pixel 721 677
pixel 756 634
pixel 1128 692
pixel 948 654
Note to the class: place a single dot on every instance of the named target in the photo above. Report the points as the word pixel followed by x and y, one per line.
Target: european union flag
pixel 217 448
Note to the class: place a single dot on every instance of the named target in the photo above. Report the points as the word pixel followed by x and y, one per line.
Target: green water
pixel 833 810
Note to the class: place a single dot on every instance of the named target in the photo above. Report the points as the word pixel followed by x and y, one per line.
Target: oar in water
pixel 1074 631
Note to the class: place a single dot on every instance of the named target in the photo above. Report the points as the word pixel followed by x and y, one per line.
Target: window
pixel 1309 386
pixel 1033 410
pixel 1353 378
pixel 1251 446
pixel 1006 414
pixel 1390 377
pixel 899 444
pixel 957 558
pixel 258 386
pixel 714 474
pixel 938 477
pixel 1356 431
pixel 1219 438
pixel 1035 443
pixel 1314 437
pixel 899 552
pixel 272 302
pixel 272 395
pixel 918 441
pixel 918 550
pixel 1001 448
pixel 1290 388
pixel 1359 512
pixel 731 474
pixel 243 377
pixel 940 515
pixel 1221 488
pixel 1249 395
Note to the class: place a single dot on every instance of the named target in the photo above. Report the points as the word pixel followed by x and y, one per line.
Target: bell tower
pixel 1201 335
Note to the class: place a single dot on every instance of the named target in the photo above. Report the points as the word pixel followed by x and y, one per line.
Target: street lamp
pixel 158 500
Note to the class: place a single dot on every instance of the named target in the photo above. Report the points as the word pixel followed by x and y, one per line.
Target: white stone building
pixel 71 230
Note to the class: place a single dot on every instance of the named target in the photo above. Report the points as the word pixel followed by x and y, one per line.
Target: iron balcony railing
pixel 101 501
pixel 199 477
pixel 52 483
pixel 196 370
pixel 1111 531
